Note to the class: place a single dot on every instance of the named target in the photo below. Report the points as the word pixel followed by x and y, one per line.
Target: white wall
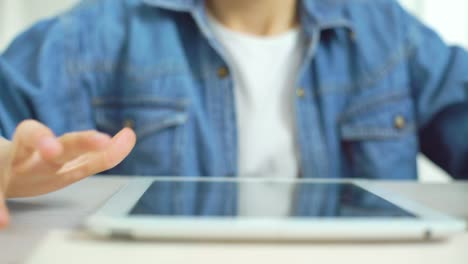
pixel 16 15
pixel 448 17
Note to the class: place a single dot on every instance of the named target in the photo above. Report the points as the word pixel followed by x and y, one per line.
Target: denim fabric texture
pixel 377 87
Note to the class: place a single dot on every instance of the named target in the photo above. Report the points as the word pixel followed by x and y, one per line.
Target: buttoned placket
pixel 222 99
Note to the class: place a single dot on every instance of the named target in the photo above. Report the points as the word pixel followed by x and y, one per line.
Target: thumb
pixel 4 215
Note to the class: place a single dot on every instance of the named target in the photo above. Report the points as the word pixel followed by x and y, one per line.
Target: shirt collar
pixel 325 14
pixel 321 14
pixel 175 5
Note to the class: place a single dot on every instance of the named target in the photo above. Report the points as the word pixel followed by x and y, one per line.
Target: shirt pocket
pixel 378 137
pixel 159 126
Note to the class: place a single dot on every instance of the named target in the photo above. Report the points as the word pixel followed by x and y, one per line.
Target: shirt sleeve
pixel 26 69
pixel 39 77
pixel 439 82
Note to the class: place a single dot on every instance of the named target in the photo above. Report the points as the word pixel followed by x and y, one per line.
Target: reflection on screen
pixel 220 199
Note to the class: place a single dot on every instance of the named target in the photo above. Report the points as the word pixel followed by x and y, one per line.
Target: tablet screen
pixel 263 199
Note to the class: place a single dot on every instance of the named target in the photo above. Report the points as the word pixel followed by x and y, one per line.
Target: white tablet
pixel 310 210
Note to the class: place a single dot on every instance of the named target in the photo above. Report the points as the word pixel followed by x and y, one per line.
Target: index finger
pixel 96 162
pixel 78 143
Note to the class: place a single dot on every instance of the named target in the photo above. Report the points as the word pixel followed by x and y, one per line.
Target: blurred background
pixel 449 18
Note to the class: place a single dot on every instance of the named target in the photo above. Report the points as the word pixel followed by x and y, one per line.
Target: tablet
pixel 309 210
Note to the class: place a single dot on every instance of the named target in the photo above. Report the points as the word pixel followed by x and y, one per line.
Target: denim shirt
pixel 376 87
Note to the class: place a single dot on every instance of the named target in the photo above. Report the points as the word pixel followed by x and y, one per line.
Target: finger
pixel 31 135
pixel 4 216
pixel 5 158
pixel 4 142
pixel 119 148
pixel 78 143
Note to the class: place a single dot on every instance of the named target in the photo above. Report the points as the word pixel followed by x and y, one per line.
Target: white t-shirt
pixel 264 71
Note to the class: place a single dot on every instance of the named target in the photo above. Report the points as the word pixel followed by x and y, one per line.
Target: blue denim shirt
pixel 379 87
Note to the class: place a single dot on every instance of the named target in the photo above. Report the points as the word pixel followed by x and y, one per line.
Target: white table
pixel 47 227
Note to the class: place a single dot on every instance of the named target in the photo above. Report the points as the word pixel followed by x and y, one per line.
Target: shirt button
pixel 223 72
pixel 300 93
pixel 129 123
pixel 400 122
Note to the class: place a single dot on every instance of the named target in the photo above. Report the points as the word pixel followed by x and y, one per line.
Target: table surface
pixel 34 219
